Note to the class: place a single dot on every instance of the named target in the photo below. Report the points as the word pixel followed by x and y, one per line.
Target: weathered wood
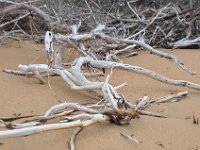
pixel 100 48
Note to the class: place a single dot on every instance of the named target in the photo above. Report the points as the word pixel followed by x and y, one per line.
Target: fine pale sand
pixel 28 97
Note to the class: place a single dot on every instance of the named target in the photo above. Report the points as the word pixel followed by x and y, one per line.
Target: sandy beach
pixel 25 96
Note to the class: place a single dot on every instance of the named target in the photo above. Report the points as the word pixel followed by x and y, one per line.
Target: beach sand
pixel 21 95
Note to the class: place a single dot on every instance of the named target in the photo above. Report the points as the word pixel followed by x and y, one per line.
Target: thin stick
pixel 169 98
pixel 19 73
pixel 14 20
pixel 73 138
pixel 130 137
pixel 16 117
pixel 142 112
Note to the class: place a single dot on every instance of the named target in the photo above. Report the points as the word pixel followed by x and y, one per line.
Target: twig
pixel 170 98
pixel 15 72
pixel 130 137
pixel 16 117
pixel 142 112
pixel 14 20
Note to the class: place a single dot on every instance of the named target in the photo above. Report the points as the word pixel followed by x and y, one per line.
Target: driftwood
pixel 101 46
pixel 115 107
pixel 73 137
pixel 171 98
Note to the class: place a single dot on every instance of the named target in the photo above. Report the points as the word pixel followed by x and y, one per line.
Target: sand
pixel 28 97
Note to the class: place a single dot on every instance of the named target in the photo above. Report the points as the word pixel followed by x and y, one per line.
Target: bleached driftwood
pixel 109 39
pixel 64 106
pixel 73 138
pixel 21 125
pixel 37 129
pixel 115 107
pixel 113 39
pixel 148 113
pixel 143 102
pixel 170 98
pixel 16 72
pixel 75 70
pixel 183 43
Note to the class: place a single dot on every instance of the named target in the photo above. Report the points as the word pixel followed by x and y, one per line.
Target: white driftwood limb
pixel 63 113
pixel 186 42
pixel 73 138
pixel 116 52
pixel 148 73
pixel 22 125
pixel 64 106
pixel 121 86
pixel 143 112
pixel 170 98
pixel 107 38
pixel 130 55
pixel 162 54
pixel 106 64
pixel 16 72
pixel 82 116
pixel 37 129
pixel 35 74
pixel 143 102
